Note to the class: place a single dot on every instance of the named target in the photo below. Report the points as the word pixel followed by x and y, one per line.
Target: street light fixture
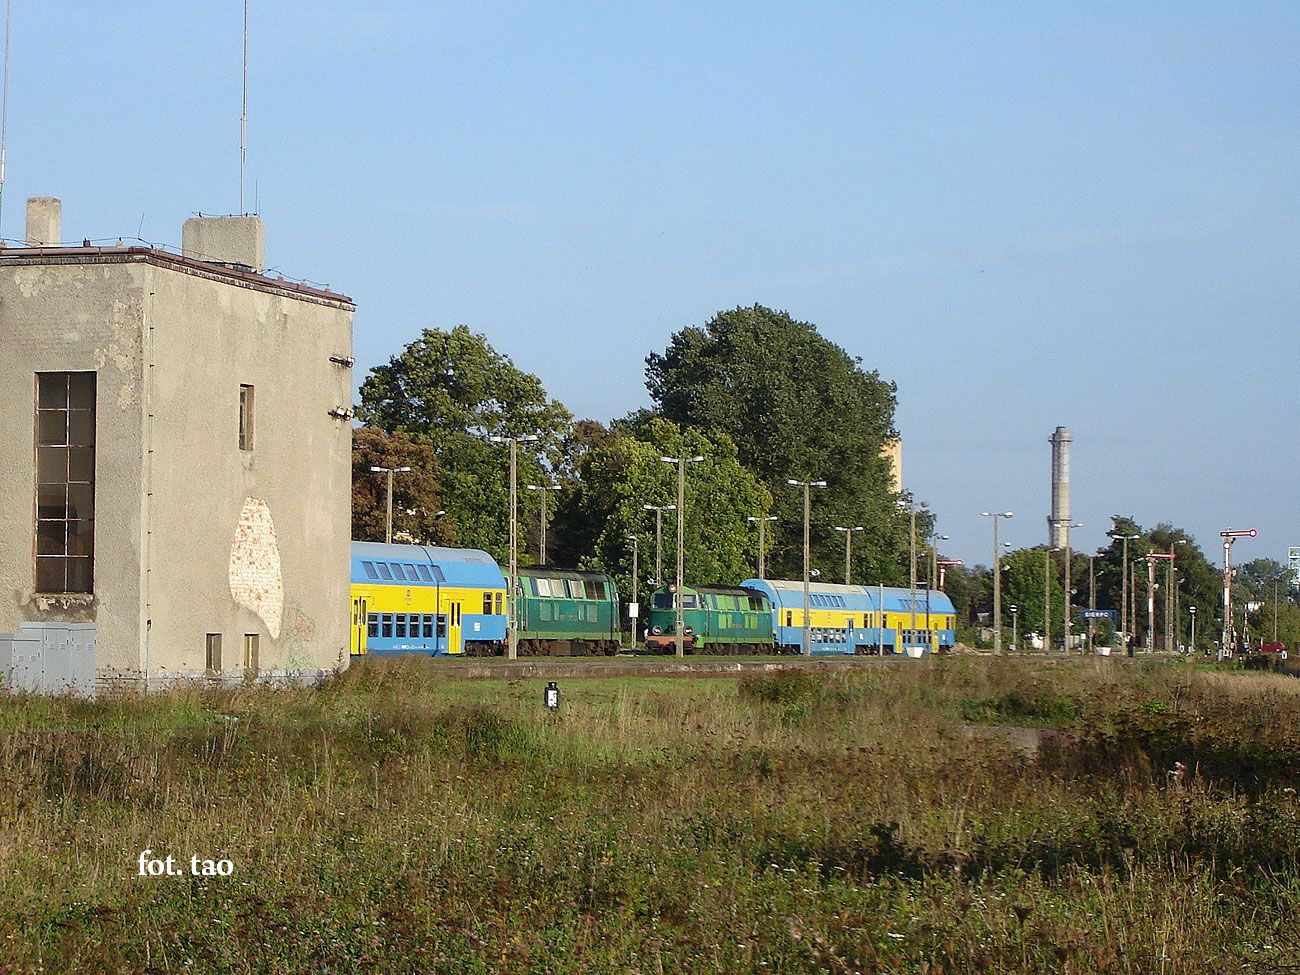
pixel 659 510
pixel 634 611
pixel 1123 589
pixel 848 548
pixel 541 543
pixel 997 578
pixel 681 463
pixel 512 618
pixel 807 596
pixel 390 471
pixel 762 524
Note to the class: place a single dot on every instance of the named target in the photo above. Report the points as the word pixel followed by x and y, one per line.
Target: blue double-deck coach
pixel 423 599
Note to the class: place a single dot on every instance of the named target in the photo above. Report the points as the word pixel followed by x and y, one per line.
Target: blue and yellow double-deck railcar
pixel 858 619
pixel 423 599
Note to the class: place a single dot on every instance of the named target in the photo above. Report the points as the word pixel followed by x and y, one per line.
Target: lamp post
pixel 1171 595
pixel 1047 600
pixel 541 544
pixel 762 524
pixel 1123 589
pixel 931 582
pixel 636 541
pixel 1068 593
pixel 997 578
pixel 512 634
pixel 848 548
pixel 390 471
pixel 659 510
pixel 1015 630
pixel 1092 599
pixel 1191 649
pixel 681 463
pixel 1229 537
pixel 807 486
pixel 910 507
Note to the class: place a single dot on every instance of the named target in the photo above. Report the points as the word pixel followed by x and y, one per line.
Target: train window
pixel 411 573
pixel 689 601
pixel 387 626
pixel 756 603
pixel 383 571
pixel 425 574
pixel 574 588
pixel 589 587
pixel 370 570
pixel 372 624
pixel 437 574
pixel 442 627
pixel 662 600
pixel 401 626
pixel 497 599
pixel 789 618
pixel 428 627
pixel 487 603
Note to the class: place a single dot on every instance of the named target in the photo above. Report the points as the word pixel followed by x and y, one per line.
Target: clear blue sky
pixel 1024 214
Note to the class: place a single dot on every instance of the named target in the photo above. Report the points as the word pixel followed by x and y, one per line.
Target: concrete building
pixel 176 462
pixel 892 450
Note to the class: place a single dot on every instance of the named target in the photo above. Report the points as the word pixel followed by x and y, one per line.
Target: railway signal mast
pixel 1229 537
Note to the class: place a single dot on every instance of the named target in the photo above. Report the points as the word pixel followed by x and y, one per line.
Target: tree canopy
pixel 796 406
pixel 455 392
pixel 625 472
pixel 416 497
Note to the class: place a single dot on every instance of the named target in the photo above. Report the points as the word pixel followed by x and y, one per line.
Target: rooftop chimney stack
pixel 1058 523
pixel 44 221
pixel 234 241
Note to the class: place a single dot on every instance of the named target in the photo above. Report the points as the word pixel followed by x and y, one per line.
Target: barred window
pixel 65 481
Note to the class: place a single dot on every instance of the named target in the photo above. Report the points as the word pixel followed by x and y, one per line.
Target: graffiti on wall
pixel 255 579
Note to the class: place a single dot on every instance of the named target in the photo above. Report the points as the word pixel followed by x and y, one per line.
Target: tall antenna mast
pixel 4 114
pixel 243 119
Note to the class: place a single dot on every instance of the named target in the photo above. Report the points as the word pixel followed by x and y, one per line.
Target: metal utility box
pixel 49 658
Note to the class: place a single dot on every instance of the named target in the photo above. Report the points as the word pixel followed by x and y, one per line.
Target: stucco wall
pixel 75 318
pixel 282 507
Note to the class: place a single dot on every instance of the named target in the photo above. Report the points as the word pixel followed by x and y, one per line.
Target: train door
pixel 359 622
pixel 454 644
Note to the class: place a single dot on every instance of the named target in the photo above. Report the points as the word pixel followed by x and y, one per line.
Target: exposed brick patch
pixel 255 580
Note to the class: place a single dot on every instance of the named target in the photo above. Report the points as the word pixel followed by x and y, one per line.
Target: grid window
pixel 245 417
pixel 65 481
pixel 428 627
pixel 372 625
pixel 388 626
pixel 401 626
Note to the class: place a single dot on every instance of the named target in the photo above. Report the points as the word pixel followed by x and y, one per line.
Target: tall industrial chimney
pixel 1058 522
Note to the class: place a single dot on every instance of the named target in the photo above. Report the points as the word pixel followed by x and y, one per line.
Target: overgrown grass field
pixel 958 815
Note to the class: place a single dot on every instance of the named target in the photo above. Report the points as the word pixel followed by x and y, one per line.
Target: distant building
pixel 176 453
pixel 892 450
